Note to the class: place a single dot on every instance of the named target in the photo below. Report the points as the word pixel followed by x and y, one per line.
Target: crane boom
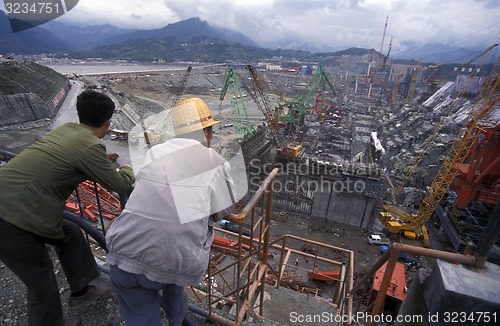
pixel 244 129
pixel 413 84
pixel 182 85
pixel 488 98
pixel 396 220
pixel 436 132
pixel 259 97
pixel 298 107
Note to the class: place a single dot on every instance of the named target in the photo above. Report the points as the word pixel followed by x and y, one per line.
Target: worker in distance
pixel 161 241
pixel 35 187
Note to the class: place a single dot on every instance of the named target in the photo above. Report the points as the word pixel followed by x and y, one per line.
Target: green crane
pixel 297 108
pixel 243 128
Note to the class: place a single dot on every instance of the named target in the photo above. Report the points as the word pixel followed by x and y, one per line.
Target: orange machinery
pixel 396 292
pixel 478 179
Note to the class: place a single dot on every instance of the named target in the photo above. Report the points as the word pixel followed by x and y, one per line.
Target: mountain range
pixel 187 40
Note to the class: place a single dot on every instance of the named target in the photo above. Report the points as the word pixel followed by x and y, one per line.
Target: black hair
pixel 94 108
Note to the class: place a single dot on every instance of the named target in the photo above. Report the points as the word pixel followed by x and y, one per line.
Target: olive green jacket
pixel 35 184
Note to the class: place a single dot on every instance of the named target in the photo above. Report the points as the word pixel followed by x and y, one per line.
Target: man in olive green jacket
pixel 34 188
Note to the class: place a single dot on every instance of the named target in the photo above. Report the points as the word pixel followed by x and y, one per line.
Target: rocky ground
pixel 13 301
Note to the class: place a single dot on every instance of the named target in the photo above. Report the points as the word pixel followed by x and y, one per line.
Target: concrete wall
pixel 19 108
pixel 320 204
pixel 351 209
pixel 348 208
pixel 454 294
pixel 344 199
pixel 461 291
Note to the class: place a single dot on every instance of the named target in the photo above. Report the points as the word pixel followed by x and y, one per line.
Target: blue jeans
pixel 140 300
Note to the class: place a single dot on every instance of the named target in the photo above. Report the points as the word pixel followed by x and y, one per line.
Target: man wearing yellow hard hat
pixel 162 239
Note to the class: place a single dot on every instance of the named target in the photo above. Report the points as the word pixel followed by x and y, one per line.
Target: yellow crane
pixel 413 84
pixel 395 90
pixel 396 220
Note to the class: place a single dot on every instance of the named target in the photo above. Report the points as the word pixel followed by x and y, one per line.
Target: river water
pixel 101 69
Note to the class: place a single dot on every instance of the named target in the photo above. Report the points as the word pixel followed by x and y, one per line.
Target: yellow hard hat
pixel 190 115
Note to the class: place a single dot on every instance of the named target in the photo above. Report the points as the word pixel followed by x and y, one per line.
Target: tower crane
pixel 413 84
pixel 258 94
pixel 395 220
pixel 297 109
pixel 383 38
pixel 243 128
pixel 388 52
pixel 289 115
pixel 182 85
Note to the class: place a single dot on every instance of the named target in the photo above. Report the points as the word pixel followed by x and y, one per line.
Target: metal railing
pixel 242 280
pixel 238 285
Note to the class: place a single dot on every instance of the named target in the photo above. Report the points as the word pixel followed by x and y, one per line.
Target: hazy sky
pixel 325 24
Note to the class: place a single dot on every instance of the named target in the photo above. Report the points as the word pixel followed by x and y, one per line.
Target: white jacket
pixel 165 231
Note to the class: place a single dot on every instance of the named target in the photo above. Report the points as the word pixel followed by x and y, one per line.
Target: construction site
pixel 370 192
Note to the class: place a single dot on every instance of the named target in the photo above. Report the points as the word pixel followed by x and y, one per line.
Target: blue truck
pixel 402 255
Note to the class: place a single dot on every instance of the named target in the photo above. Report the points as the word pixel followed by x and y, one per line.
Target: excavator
pixel 395 219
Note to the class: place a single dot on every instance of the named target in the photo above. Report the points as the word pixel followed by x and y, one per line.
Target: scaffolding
pixel 239 286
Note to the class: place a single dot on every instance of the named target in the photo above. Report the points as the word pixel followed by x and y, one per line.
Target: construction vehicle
pixel 396 220
pixel 407 258
pixel 233 227
pixel 377 239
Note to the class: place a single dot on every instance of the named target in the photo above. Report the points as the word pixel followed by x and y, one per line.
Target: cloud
pixel 323 24
pixel 145 14
pixel 376 5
